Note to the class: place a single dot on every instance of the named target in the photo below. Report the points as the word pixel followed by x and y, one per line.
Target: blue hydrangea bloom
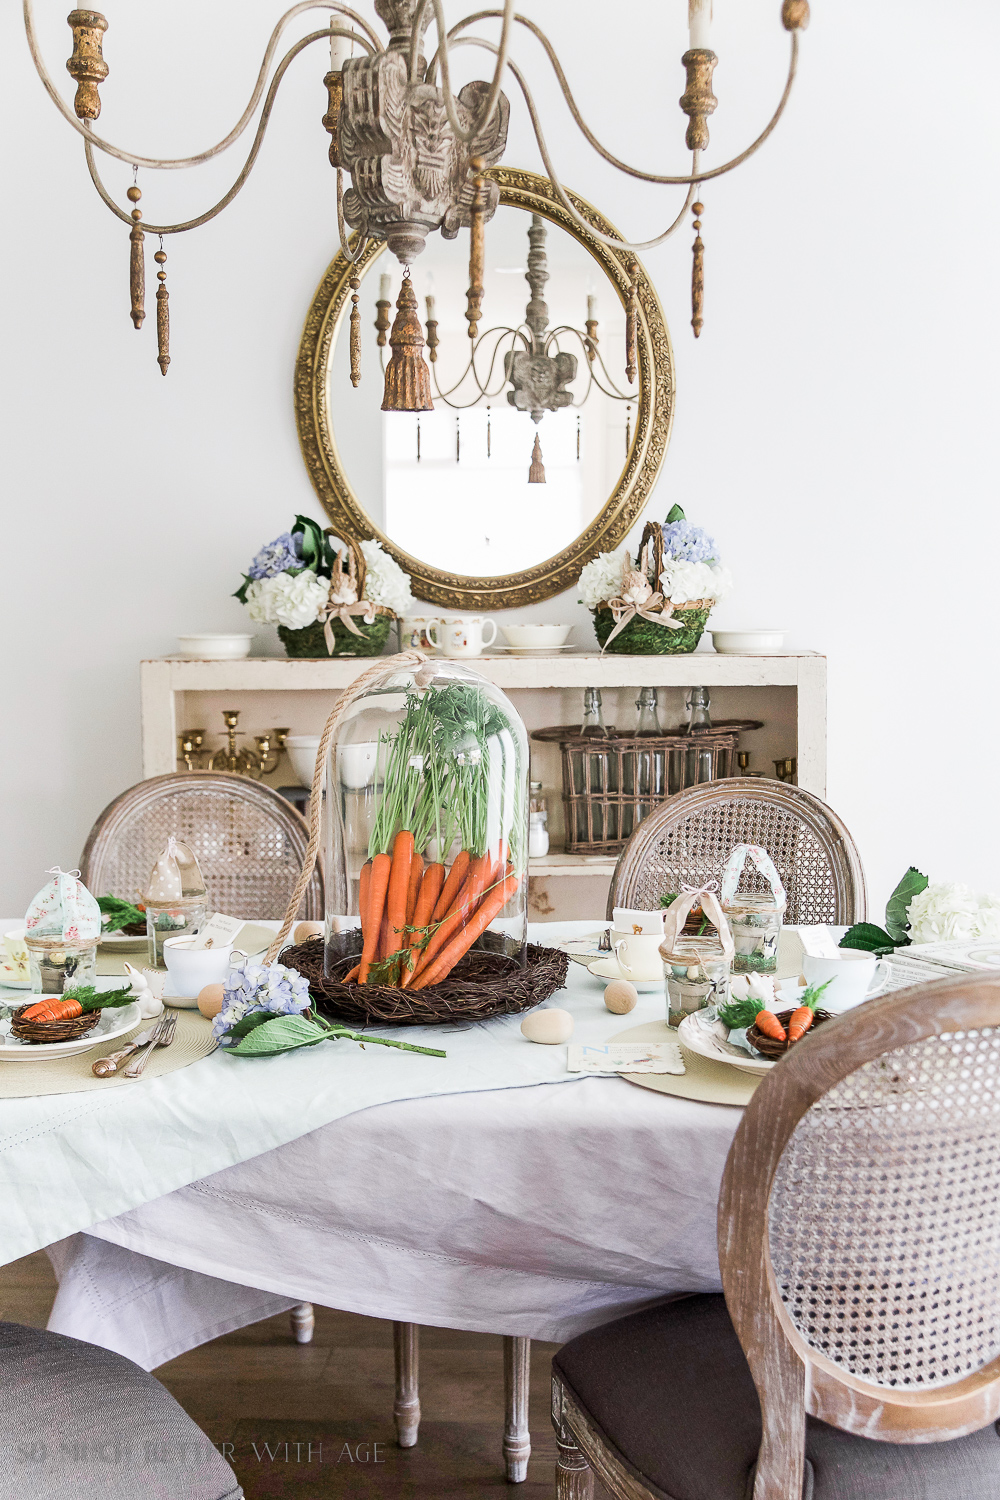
pixel 257 987
pixel 280 556
pixel 688 543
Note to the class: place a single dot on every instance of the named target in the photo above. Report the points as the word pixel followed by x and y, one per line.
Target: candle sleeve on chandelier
pixel 700 23
pixel 592 309
pixel 384 287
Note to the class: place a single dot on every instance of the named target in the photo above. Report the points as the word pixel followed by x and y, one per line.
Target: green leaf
pixel 279 1034
pixel 740 1013
pixel 674 514
pixel 91 998
pixel 122 913
pixel 912 883
pixel 668 897
pixel 251 1022
pixel 868 938
pixel 811 996
pixel 241 592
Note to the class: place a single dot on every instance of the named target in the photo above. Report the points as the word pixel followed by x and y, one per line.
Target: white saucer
pixel 606 969
pixel 532 650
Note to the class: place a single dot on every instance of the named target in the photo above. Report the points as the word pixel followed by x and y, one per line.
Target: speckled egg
pixel 306 930
pixel 620 997
pixel 210 1000
pixel 548 1026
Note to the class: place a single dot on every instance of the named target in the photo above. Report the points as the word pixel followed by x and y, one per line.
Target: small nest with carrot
pixel 770 1047
pixel 52 1031
pixel 482 984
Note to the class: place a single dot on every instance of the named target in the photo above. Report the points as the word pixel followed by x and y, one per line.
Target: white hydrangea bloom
pixel 292 600
pixel 683 581
pixel 601 579
pixel 385 581
pixel 950 912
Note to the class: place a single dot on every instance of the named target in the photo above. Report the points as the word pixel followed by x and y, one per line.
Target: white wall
pixel 835 424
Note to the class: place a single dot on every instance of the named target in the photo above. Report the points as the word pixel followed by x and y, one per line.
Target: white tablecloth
pixel 538 1212
pixel 68 1161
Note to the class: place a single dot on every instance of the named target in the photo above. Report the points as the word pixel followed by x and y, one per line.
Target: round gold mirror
pixel 527 467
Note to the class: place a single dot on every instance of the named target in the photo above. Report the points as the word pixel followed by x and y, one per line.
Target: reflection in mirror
pixel 528 439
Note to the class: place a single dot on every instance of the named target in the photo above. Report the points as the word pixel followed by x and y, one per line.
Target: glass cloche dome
pixel 426 828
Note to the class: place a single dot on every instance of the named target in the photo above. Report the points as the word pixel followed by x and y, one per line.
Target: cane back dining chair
pixel 249 842
pixel 855 1354
pixel 688 838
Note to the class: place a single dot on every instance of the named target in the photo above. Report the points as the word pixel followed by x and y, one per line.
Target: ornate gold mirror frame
pixel 655 411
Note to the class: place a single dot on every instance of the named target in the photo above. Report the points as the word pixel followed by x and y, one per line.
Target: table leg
pixel 406 1408
pixel 516 1385
pixel 303 1322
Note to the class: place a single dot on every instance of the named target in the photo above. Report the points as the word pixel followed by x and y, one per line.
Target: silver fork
pixel 162 1037
pixel 104 1066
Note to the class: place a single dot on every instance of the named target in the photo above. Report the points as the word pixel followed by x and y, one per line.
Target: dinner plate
pixel 606 969
pixel 123 942
pixel 584 950
pixel 113 1023
pixel 711 1044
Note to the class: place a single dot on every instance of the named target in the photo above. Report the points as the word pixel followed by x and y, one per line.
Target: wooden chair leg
pixel 406 1408
pixel 574 1476
pixel 516 1386
pixel 303 1322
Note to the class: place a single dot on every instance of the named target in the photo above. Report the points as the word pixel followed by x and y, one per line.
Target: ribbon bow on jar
pixel 343 601
pixel 638 599
pixel 679 910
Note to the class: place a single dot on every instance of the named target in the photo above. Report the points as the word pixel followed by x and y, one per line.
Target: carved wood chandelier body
pixel 417 154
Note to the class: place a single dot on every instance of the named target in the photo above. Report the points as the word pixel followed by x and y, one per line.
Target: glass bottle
pixel 699 759
pixel 649 763
pixel 593 714
pixel 538 817
pixel 648 722
pixel 596 774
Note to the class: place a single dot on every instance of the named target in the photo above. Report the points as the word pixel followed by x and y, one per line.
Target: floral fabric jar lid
pixel 734 869
pixel 63 910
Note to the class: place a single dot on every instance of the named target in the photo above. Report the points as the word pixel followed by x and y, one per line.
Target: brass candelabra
pixel 233 759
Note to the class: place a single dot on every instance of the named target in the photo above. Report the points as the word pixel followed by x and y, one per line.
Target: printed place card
pixel 218 931
pixel 625 1057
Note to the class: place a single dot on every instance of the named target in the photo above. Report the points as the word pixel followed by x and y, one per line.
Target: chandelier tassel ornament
pixel 407 378
pixel 632 325
pixel 477 247
pixel 137 261
pixel 355 331
pixel 536 474
pixel 162 312
pixel 698 273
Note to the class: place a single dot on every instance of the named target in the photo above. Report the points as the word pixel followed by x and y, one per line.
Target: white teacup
pixel 413 633
pixel 627 920
pixel 638 954
pixel 465 635
pixel 190 968
pixel 855 977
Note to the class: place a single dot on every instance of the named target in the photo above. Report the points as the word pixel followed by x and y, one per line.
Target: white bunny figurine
pixel 150 1004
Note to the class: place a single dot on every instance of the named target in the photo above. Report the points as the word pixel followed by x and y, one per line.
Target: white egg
pixel 549 1026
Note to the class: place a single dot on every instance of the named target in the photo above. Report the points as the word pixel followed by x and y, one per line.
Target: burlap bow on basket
pixel 344 600
pixel 637 598
pixel 680 908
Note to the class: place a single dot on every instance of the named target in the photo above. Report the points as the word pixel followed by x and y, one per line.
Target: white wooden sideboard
pixel 786 692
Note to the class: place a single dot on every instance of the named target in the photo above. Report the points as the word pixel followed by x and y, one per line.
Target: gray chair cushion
pixel 670 1393
pixel 79 1421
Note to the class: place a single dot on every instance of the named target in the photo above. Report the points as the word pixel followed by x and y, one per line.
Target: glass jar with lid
pixel 696 972
pixel 61 932
pixel 756 925
pixel 427 777
pixel 176 897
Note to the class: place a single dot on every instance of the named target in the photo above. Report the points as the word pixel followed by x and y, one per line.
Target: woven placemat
pixel 711 1083
pixel 72 1075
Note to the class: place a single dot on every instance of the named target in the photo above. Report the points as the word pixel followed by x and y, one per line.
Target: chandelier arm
pixel 653 177
pixel 615 394
pixel 503 332
pixel 166 163
pixel 224 202
pixel 362 241
pixel 507 16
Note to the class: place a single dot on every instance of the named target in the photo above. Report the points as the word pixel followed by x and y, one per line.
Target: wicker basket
pixel 311 641
pixel 52 1031
pixel 610 784
pixel 643 638
pixel 772 1049
pixel 480 986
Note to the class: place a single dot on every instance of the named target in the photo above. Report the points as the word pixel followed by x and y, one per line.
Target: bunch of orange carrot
pixel 417 921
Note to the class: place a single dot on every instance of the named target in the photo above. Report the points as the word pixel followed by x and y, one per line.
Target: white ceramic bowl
pixel 536 635
pixel 190 969
pixel 301 751
pixel 747 642
pixel 214 647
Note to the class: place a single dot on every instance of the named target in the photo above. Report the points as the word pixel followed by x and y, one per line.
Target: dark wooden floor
pixel 271 1398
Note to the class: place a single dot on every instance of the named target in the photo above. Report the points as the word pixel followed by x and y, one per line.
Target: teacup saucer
pixel 607 969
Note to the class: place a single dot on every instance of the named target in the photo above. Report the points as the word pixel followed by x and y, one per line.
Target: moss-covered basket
pixel 310 641
pixel 643 638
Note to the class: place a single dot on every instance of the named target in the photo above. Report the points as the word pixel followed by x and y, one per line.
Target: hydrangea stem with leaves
pixel 267 1010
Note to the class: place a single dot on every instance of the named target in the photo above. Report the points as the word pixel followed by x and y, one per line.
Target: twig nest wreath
pixel 658 602
pixel 327 596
